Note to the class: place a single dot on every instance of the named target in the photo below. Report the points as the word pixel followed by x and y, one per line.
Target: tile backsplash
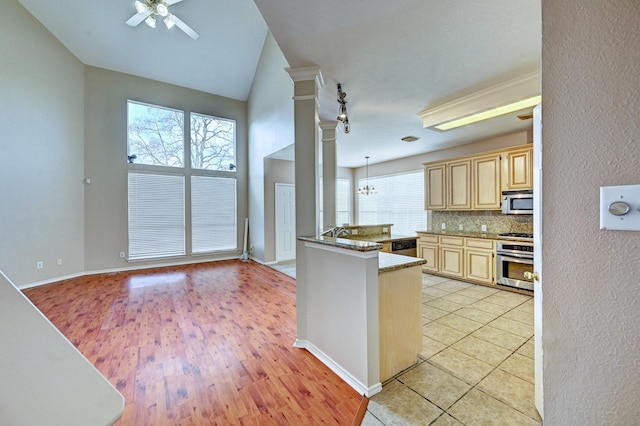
pixel 495 221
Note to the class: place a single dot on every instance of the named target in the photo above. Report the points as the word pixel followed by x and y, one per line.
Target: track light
pixel 342 110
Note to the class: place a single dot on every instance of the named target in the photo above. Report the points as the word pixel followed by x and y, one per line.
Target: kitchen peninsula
pixel 358 309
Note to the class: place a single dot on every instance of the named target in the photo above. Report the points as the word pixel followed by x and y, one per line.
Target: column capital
pixel 328 130
pixel 306 74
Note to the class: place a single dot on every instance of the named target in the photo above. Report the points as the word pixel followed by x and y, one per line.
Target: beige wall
pixel 106 94
pixel 41 151
pixel 270 110
pixel 591 136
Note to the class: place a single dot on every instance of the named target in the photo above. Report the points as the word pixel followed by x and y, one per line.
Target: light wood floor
pixel 205 344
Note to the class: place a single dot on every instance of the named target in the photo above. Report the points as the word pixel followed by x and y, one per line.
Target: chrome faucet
pixel 335 232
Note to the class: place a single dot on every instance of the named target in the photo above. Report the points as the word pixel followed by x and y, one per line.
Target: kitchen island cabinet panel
pixel 400 320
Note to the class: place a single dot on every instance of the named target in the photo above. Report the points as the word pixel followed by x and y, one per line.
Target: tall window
pixel 166 170
pixel 343 201
pixel 400 201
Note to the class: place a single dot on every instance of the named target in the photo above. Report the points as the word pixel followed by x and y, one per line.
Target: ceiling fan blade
pixel 184 27
pixel 170 2
pixel 137 18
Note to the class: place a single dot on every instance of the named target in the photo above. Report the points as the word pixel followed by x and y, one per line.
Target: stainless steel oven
pixel 513 259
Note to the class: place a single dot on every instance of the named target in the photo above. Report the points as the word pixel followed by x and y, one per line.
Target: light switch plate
pixel 628 194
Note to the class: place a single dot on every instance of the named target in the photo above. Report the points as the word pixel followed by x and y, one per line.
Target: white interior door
pixel 537 257
pixel 285 222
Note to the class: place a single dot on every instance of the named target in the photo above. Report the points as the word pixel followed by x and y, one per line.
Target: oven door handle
pixel 515 257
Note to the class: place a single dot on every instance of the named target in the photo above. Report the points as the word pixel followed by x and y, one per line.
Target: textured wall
pixel 41 151
pixel 591 132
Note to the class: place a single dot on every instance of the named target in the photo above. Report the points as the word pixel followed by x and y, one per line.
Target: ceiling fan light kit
pixel 149 10
pixel 504 98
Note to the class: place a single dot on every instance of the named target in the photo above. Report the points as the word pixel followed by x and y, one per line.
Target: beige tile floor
pixel 476 365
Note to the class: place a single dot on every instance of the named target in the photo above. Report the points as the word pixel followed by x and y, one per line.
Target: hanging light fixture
pixel 366 190
pixel 342 109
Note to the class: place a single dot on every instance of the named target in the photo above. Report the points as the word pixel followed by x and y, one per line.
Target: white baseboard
pixel 356 384
pixel 132 267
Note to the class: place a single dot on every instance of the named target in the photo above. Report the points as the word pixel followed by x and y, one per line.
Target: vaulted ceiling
pixel 393 58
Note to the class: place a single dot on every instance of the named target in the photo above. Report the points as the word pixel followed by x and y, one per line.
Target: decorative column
pixel 306 82
pixel 329 173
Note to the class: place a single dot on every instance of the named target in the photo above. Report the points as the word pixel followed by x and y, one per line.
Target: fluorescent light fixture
pixel 512 95
pixel 494 112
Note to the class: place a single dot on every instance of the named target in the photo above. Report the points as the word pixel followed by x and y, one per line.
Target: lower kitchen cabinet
pixel 428 250
pixel 451 256
pixel 471 259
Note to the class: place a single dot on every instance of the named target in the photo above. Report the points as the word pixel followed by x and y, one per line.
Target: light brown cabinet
pixel 428 250
pixel 476 183
pixel 479 260
pixel 471 259
pixel 435 187
pixel 386 247
pixel 486 183
pixel 517 169
pixel 459 185
pixel 451 256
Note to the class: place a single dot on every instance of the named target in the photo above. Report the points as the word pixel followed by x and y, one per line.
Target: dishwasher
pixel 404 247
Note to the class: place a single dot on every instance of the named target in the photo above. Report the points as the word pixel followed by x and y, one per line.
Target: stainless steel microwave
pixel 517 202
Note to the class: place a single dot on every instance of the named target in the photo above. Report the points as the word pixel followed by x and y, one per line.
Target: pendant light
pixel 367 189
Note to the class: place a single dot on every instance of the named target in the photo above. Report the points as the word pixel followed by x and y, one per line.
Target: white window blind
pixel 400 201
pixel 156 215
pixel 213 214
pixel 343 202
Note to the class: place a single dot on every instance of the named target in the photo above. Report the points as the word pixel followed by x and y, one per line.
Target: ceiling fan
pixel 149 10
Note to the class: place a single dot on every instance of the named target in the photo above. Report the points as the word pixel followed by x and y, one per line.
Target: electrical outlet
pixel 121 255
pixel 354 232
pixel 444 225
pixel 460 227
pixel 39 265
pixel 484 228
pixel 59 262
pixel 385 230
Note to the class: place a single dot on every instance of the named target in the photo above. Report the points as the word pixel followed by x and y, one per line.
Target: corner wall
pixel 590 138
pixel 270 112
pixel 41 151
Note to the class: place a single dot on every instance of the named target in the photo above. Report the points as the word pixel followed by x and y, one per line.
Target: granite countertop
pixel 470 234
pixel 344 243
pixel 388 262
pixel 382 238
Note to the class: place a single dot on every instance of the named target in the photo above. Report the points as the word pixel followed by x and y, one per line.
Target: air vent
pixel 410 138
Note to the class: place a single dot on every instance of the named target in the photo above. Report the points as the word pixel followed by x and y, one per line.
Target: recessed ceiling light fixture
pixel 510 96
pixel 342 110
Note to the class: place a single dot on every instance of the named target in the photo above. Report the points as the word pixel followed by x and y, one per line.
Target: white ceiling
pixel 393 58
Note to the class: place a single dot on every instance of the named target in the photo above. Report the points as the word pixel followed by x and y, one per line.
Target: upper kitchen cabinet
pixel 435 187
pixel 486 182
pixel 459 181
pixel 517 169
pixel 476 183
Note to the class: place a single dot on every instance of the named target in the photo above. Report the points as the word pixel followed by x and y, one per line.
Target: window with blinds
pixel 179 177
pixel 156 215
pixel 213 214
pixel 343 202
pixel 400 201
